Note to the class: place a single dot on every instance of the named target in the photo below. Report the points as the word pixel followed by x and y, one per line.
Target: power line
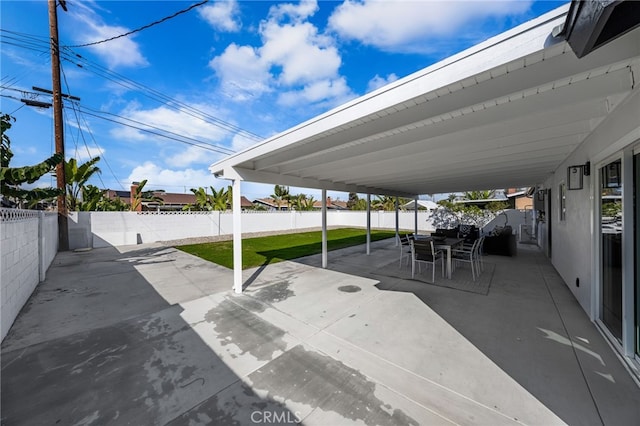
pixel 199 144
pixel 78 60
pixel 143 27
pixel 144 127
pixel 76 113
pixel 157 96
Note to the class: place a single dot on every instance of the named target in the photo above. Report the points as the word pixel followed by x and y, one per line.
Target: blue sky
pixel 218 78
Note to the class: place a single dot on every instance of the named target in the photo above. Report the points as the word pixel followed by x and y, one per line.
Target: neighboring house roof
pixel 176 199
pixel 271 203
pixel 331 204
pixel 425 204
pixel 169 199
pixel 245 202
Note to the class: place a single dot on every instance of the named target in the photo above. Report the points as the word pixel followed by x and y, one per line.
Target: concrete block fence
pixel 29 243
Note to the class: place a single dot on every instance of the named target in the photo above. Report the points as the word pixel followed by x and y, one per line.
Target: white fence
pixel 102 229
pixel 29 242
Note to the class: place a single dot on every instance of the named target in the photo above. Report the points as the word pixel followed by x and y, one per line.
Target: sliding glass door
pixel 611 254
pixel 636 247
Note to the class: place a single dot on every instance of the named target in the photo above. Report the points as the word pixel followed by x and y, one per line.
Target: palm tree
pixel 280 194
pixel 141 196
pixel 479 195
pixel 384 202
pixel 76 178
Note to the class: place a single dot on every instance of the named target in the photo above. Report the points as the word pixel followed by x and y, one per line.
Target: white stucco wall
pixel 101 229
pixel 573 251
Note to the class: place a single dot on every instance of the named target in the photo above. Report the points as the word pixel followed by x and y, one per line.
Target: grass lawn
pixel 276 248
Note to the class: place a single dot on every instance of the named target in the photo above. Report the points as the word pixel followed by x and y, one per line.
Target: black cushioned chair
pixel 501 241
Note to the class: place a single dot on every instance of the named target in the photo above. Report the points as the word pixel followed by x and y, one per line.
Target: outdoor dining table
pixel 447 244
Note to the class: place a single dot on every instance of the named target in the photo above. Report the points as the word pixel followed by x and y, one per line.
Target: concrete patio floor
pixel 150 335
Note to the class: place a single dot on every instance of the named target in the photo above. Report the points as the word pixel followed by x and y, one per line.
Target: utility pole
pixel 63 225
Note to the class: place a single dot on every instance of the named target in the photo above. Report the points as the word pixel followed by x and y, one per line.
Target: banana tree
pixel 221 199
pixel 141 196
pixel 76 177
pixel 12 177
pixel 202 202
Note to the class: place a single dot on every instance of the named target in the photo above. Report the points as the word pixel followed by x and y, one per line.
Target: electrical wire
pixel 143 129
pixel 211 146
pixel 79 126
pixel 156 95
pixel 143 27
pixel 102 154
pixel 74 58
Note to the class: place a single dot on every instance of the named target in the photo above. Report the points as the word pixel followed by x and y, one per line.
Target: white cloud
pixel 168 179
pixel 377 82
pixel 336 90
pixel 293 57
pixel 179 122
pixel 303 55
pixel 297 12
pixel 191 155
pixel 401 25
pixel 120 52
pixel 222 15
pixel 243 73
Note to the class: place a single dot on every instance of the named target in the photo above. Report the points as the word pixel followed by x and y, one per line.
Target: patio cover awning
pixel 504 113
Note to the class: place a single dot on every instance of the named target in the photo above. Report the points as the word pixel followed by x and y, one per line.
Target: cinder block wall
pixel 20 265
pixel 28 244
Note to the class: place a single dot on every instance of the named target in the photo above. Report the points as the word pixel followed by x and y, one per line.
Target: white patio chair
pixel 423 251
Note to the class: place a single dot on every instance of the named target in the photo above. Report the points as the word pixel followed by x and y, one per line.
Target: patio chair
pixel 470 256
pixel 423 251
pixel 405 248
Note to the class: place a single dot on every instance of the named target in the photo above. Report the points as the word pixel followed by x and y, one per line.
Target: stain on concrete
pixel 274 293
pixel 138 372
pixel 238 405
pixel 349 288
pixel 245 330
pixel 249 303
pixel 317 380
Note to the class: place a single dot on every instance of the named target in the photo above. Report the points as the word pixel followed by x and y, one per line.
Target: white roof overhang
pixel 504 113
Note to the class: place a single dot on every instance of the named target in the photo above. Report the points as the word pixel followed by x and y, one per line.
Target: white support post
pixel 237 237
pixel 368 224
pixel 324 229
pixel 415 215
pixel 397 222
